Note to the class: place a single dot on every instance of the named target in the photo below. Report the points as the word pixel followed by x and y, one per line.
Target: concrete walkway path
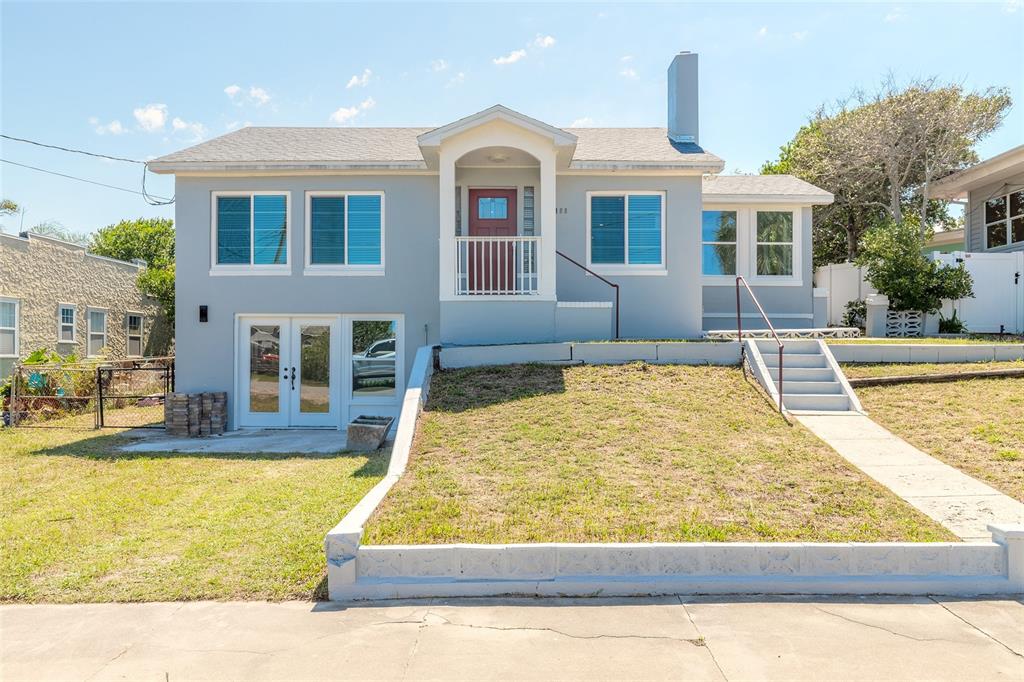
pixel 961 503
pixel 588 639
pixel 255 441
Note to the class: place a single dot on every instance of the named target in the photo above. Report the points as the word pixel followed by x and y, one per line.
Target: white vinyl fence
pixel 997 305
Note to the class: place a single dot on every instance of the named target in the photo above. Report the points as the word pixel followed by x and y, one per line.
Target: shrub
pixel 856 314
pixel 896 267
pixel 954 325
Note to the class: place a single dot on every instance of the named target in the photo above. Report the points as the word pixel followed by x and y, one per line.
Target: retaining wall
pixel 682 353
pixel 925 352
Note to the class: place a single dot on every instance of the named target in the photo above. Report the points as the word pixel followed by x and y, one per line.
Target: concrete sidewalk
pixel 959 502
pixel 694 639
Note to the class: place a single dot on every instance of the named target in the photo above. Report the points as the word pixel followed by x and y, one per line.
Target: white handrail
pixel 496 266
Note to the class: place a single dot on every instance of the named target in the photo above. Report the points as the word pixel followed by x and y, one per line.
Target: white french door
pixel 289 371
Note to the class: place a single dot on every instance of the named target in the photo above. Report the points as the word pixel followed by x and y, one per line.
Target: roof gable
pixel 499 112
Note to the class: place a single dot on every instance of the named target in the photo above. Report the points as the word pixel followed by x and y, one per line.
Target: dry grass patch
pixel 976 425
pixel 82 522
pixel 858 370
pixel 535 453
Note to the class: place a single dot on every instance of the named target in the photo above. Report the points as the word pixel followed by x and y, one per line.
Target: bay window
pixel 760 243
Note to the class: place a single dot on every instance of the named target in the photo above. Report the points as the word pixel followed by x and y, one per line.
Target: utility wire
pixel 151 199
pixel 91 182
pixel 68 149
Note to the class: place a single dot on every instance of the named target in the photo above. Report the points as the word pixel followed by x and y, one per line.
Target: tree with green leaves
pixel 147 239
pixel 8 207
pixel 878 154
pixel 55 229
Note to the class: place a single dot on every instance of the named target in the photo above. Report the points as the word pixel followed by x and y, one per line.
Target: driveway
pixel 689 638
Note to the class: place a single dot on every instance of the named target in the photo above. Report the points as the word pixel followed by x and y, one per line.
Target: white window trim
pixel 1008 220
pixel 627 268
pixel 17 325
pixel 128 335
pixel 89 330
pixel 399 320
pixel 746 247
pixel 217 269
pixel 339 269
pixel 61 307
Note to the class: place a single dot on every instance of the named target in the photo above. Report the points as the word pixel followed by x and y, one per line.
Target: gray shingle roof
pixel 258 145
pixel 779 187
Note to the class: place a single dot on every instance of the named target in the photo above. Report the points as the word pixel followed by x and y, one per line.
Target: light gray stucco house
pixel 313 261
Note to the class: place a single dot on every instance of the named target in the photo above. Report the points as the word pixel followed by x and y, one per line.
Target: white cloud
pixel 511 58
pixel 800 35
pixel 345 115
pixel 358 81
pixel 626 58
pixel 439 65
pixel 1013 6
pixel 543 41
pixel 457 79
pixel 196 130
pixel 112 128
pixel 232 90
pixel 629 72
pixel 258 96
pixel 585 122
pixel 894 15
pixel 151 117
pixel 762 32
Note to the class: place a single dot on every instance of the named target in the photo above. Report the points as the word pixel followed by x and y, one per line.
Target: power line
pixel 73 151
pixel 92 182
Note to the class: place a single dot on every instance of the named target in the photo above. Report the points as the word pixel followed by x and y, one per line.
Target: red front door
pixel 492 215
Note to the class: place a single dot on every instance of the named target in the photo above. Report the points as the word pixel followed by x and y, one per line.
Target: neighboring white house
pixel 301 250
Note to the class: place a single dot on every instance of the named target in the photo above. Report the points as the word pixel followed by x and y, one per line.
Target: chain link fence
pixel 90 395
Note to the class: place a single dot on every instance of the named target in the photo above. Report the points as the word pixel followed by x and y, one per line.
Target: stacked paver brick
pixel 195 415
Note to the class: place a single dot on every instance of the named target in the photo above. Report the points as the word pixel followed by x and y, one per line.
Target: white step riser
pixel 802 373
pixel 818 387
pixel 771 360
pixel 816 402
pixel 790 346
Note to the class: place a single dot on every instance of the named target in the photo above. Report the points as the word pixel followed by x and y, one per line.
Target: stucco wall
pixel 652 306
pixel 43 273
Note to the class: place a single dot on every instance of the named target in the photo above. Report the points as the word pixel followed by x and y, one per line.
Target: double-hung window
pixel 133 332
pixel 97 332
pixel 345 233
pixel 774 252
pixel 8 335
pixel 250 233
pixel 626 232
pixel 65 323
pixel 1004 220
pixel 718 243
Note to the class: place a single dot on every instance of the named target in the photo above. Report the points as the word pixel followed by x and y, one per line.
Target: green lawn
pixel 630 453
pixel 80 522
pixel 857 370
pixel 976 425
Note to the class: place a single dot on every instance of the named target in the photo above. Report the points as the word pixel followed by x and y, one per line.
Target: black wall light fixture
pixel 204 315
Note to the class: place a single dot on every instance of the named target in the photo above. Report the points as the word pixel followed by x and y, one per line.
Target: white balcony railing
pixel 496 266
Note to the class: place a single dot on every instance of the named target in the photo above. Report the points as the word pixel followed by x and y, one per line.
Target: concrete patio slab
pixel 961 503
pixel 240 441
pixel 596 639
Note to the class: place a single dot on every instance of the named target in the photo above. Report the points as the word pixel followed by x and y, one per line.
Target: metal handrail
pixel 739 328
pixel 611 284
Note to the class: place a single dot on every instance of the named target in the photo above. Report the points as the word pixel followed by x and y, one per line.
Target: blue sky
pixel 143 79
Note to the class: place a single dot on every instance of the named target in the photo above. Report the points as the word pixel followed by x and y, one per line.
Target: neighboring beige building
pixel 59 296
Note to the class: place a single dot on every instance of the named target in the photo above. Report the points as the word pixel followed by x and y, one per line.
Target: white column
pixel 548 201
pixel 446 242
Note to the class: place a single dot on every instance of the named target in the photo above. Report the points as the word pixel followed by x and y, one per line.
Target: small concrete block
pixel 685 559
pixel 482 561
pixel 614 353
pixel 699 353
pixel 379 562
pixel 430 562
pixel 927 559
pixel 878 559
pixel 735 558
pixel 826 558
pixel 367 433
pixel 532 562
pixel 784 558
pixel 977 559
pixel 1008 352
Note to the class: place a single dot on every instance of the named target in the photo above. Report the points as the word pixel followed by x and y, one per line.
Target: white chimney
pixel 682 98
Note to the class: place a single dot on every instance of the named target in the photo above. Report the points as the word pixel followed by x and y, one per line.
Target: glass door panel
pixel 315 396
pixel 264 372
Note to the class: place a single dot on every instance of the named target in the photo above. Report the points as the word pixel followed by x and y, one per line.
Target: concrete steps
pixel 811 379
